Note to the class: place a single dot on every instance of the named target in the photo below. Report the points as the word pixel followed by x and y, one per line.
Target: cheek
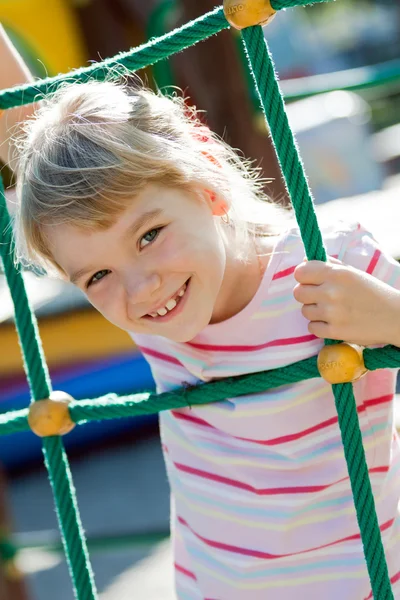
pixel 196 249
pixel 110 304
pixel 175 254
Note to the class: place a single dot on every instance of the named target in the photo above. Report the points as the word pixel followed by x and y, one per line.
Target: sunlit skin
pixel 130 275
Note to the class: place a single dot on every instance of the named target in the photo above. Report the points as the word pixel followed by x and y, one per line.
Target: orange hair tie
pixel 203 134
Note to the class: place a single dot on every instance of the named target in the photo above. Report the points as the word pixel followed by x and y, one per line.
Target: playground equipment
pixel 110 406
pixel 46 34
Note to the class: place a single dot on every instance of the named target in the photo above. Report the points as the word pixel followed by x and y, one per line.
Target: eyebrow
pixel 142 221
pixel 76 275
pixel 132 230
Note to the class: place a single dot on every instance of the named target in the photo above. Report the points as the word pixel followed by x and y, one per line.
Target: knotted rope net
pixel 109 407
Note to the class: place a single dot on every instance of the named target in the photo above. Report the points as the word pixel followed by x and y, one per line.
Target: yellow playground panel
pixel 46 32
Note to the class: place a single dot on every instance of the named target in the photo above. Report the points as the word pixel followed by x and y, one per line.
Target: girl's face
pixel 164 267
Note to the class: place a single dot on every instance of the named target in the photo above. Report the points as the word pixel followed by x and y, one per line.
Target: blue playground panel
pixel 121 375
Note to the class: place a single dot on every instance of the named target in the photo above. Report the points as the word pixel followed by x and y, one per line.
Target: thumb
pixel 334 261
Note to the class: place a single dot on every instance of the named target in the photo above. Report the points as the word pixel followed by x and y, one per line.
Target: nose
pixel 139 287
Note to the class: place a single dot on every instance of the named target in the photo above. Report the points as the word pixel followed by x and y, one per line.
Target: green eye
pixel 97 277
pixel 149 237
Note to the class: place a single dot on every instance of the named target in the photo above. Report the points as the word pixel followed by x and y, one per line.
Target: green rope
pixel 69 519
pixel 142 56
pixel 34 362
pixel 8 549
pixel 266 82
pixel 260 62
pixel 14 421
pixel 138 58
pixel 110 406
pixel 40 384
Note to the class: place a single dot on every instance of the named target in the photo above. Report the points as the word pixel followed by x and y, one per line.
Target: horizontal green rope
pixel 142 56
pixel 112 406
pixel 147 54
pixel 382 358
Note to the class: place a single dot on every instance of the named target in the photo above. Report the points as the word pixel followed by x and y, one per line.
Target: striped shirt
pixel 261 499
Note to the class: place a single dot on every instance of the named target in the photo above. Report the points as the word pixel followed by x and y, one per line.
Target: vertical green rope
pixel 38 377
pixel 266 82
pixel 39 380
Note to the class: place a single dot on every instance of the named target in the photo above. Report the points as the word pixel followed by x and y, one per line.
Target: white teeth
pixel 171 304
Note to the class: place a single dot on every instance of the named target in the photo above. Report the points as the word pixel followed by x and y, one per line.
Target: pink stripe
pixel 267 555
pixel 373 262
pixel 191 418
pixel 185 571
pixel 284 273
pixel 273 343
pixel 296 436
pixel 377 401
pixel 290 270
pixel 285 438
pixel 245 486
pixel 263 491
pixel 160 355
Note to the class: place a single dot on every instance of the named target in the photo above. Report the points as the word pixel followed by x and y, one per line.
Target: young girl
pixel 167 232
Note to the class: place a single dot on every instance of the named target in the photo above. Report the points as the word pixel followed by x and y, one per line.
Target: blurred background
pixel 339 67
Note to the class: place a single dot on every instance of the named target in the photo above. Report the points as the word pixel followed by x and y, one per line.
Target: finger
pixel 312 312
pixel 322 330
pixel 307 294
pixel 311 272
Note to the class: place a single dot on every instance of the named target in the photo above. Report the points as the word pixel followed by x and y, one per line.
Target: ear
pixel 219 206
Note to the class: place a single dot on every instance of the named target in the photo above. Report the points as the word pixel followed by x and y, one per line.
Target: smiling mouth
pixel 171 305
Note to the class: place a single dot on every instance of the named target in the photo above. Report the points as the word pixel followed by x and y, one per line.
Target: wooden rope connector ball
pixel 246 13
pixel 341 363
pixel 51 416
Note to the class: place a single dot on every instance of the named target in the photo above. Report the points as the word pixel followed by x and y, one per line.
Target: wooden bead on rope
pixel 341 363
pixel 51 416
pixel 246 13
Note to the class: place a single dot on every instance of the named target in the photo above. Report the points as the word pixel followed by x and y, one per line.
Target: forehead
pixel 73 244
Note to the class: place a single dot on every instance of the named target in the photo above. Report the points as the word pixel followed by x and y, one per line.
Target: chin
pixel 186 334
pixel 183 337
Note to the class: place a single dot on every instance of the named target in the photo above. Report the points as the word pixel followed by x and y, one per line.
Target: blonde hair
pixel 92 147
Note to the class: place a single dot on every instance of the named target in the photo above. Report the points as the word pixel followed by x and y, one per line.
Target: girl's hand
pixel 343 303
